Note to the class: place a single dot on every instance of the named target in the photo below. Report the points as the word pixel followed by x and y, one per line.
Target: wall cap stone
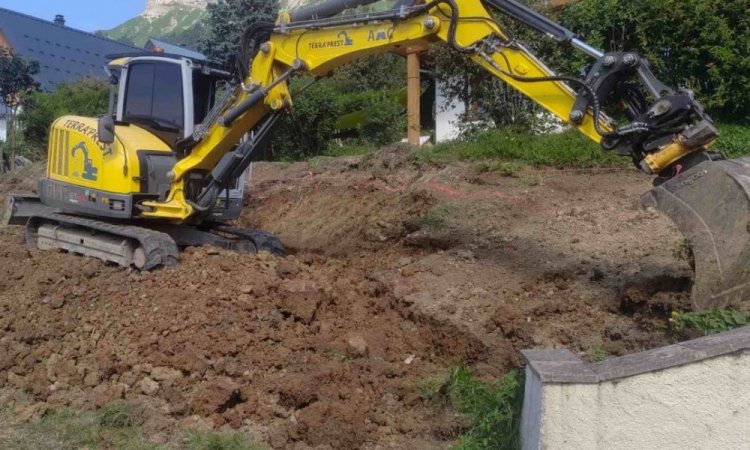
pixel 562 366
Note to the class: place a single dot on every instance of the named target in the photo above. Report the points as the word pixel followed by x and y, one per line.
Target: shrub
pixel 685 325
pixel 703 44
pixel 86 97
pixel 494 409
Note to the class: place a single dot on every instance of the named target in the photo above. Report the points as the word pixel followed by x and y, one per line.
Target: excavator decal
pixel 89 171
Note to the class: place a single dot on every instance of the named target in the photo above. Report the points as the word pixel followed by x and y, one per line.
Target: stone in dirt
pixel 147 386
pixel 301 299
pixel 357 345
pixel 105 394
pixel 287 269
pixel 215 396
pixel 165 374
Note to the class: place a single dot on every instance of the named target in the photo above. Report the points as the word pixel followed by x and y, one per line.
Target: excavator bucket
pixel 710 203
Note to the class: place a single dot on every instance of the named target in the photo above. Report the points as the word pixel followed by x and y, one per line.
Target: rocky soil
pixel 396 272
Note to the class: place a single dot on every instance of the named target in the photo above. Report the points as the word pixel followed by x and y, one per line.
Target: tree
pixel 16 80
pixel 85 97
pixel 226 23
pixel 701 44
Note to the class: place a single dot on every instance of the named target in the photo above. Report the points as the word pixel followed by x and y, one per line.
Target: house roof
pixel 175 49
pixel 63 53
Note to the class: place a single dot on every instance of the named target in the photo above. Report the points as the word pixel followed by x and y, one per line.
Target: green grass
pixel 504 168
pixel 437 218
pixel 432 387
pixel 348 150
pixel 110 427
pixel 567 149
pixel 493 407
pixel 219 441
pixel 734 140
pixel 684 325
pixel 598 354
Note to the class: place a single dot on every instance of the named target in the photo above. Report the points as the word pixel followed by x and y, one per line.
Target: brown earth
pixel 396 273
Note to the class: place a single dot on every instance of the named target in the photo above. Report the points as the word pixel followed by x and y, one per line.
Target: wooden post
pixel 413 91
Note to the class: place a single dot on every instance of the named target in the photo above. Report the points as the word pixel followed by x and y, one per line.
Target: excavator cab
pixel 168 95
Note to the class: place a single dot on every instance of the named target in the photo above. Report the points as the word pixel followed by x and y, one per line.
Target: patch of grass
pixel 531 181
pixel 734 140
pixel 116 415
pixel 337 355
pixel 684 325
pixel 437 218
pixel 219 441
pixel 494 409
pixel 110 427
pixel 432 387
pixel 567 149
pixel 598 354
pixel 506 169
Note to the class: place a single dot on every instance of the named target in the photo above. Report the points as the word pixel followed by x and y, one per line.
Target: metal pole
pixel 586 48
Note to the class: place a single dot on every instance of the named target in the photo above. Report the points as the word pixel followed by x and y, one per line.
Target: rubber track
pixel 159 247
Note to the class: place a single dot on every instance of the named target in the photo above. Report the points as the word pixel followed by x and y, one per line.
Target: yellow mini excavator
pixel 159 171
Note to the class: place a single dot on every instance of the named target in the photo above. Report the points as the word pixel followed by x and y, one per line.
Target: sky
pixel 87 15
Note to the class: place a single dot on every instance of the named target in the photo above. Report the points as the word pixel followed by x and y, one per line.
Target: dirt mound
pixel 235 338
pixel 397 274
pixel 20 181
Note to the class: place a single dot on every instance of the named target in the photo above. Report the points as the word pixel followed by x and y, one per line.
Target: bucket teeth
pixel 710 204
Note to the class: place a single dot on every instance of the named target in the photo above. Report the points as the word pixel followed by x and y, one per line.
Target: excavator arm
pixel 666 131
pixel 304 43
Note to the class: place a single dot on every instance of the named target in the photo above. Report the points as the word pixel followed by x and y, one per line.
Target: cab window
pixel 154 96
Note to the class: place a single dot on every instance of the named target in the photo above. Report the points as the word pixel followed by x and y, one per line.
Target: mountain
pixel 179 22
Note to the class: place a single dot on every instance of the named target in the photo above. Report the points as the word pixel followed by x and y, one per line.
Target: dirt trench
pixel 397 272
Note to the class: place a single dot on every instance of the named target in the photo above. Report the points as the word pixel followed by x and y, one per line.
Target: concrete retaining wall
pixel 693 395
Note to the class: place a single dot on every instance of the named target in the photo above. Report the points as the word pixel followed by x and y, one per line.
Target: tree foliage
pixel 16 80
pixel 86 97
pixel 227 21
pixel 701 44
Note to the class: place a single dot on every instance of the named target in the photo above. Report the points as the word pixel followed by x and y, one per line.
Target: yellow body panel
pixel 77 157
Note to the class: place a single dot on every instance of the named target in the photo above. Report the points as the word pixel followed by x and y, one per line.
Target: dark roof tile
pixel 63 53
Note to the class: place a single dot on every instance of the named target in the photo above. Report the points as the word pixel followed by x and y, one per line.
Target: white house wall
pixel 448 111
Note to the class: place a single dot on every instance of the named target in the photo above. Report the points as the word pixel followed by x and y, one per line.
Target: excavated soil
pixel 396 272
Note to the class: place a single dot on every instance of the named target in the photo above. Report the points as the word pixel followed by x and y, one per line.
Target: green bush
pixel 702 44
pixel 494 409
pixel 86 97
pixel 308 129
pixel 383 119
pixel 684 325
pixel 372 118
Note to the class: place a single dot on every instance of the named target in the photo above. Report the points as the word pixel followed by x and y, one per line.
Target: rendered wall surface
pixel 694 395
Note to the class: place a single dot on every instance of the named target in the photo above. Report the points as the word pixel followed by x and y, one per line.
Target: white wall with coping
pixel 693 395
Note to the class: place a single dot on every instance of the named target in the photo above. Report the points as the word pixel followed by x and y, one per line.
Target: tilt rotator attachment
pixel 705 195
